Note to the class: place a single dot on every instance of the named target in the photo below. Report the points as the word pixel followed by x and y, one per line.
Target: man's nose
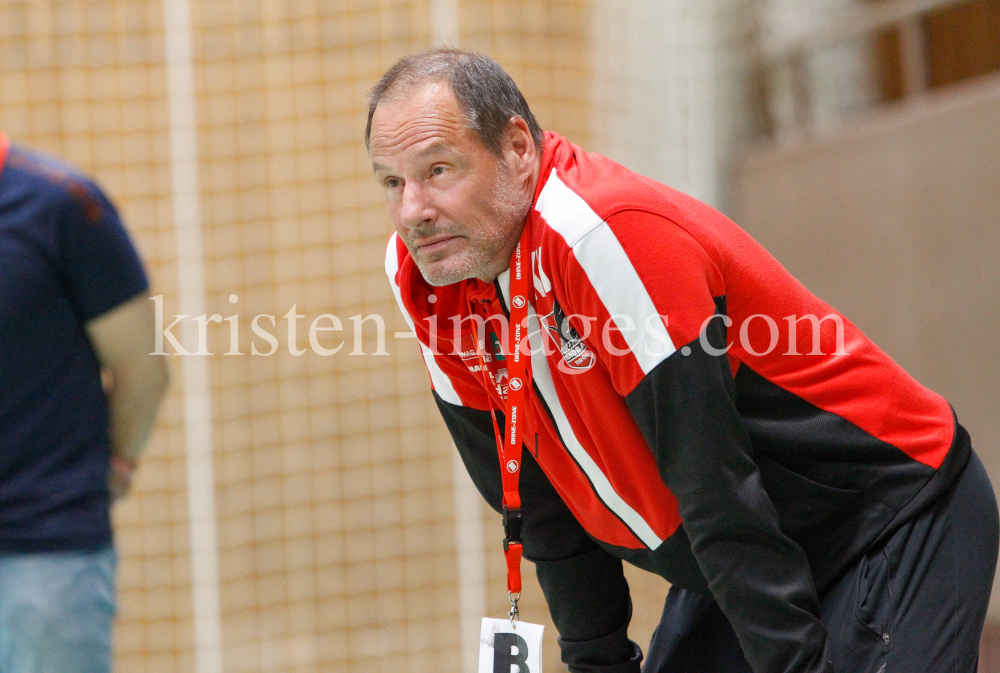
pixel 416 209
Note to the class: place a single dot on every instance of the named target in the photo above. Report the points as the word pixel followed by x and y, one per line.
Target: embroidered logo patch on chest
pixel 571 345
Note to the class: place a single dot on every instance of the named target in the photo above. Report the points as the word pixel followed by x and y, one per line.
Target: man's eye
pixel 438 170
pixel 392 183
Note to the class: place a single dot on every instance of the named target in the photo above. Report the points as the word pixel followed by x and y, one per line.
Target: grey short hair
pixel 484 91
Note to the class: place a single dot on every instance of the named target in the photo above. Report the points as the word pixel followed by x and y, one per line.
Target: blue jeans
pixel 56 611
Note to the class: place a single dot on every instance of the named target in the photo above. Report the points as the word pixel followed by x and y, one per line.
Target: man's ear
pixel 520 146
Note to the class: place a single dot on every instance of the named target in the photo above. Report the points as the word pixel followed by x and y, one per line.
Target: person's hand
pixel 120 476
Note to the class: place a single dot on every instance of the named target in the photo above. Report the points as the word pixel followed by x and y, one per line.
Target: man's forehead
pixel 425 122
pixel 416 101
pixel 419 138
pixel 429 149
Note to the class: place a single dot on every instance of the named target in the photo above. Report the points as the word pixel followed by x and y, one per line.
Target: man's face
pixel 458 207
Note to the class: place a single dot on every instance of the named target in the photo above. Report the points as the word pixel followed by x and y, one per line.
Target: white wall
pixel 839 78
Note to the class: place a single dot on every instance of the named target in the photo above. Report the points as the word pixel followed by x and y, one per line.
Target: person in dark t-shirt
pixel 73 307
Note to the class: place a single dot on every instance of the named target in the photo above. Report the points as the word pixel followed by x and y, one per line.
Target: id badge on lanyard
pixel 504 643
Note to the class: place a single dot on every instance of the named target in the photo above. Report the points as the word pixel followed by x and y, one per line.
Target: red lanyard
pixel 518 410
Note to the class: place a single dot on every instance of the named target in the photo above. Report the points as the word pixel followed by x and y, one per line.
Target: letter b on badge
pixel 503 649
pixel 509 649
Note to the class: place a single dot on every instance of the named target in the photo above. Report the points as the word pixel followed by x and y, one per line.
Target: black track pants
pixel 914 605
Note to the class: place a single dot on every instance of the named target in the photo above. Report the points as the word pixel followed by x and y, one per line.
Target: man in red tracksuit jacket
pixel 695 410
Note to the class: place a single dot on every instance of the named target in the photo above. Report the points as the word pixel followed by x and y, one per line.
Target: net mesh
pixel 333 486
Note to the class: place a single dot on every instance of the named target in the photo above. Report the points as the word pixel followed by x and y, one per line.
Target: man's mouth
pixel 434 244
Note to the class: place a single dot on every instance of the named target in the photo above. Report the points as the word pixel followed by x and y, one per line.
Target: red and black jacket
pixel 698 413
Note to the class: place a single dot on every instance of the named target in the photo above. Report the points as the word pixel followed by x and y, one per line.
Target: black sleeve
pixel 760 578
pixel 584 586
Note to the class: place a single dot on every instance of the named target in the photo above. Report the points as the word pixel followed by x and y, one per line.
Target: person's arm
pixel 760 578
pixel 682 396
pixel 123 339
pixel 584 586
pixel 107 285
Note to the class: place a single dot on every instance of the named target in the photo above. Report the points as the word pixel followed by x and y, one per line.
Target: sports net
pixel 334 502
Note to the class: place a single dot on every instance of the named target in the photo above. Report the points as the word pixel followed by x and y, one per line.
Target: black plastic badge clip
pixel 511 526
